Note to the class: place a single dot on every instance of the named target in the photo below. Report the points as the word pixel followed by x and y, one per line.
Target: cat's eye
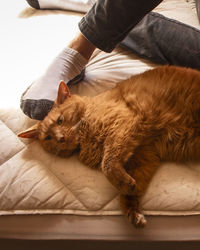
pixel 47 138
pixel 60 120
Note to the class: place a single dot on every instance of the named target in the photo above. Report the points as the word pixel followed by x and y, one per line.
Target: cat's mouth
pixel 67 152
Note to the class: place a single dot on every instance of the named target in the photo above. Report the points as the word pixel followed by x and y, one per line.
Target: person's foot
pixel 73 5
pixel 38 99
pixel 34 3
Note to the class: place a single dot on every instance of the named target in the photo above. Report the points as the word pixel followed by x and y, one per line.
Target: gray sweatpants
pixel 150 35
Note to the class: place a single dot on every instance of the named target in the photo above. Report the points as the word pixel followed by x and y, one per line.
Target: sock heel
pixel 33 3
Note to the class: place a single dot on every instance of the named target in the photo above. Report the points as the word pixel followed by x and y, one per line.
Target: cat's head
pixel 58 132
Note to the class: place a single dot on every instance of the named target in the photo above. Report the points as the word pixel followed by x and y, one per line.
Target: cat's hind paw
pixel 140 220
pixel 137 219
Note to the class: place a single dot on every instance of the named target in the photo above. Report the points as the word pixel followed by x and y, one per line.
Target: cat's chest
pixel 101 120
pixel 92 135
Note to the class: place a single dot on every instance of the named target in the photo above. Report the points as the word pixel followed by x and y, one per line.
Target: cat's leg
pixel 142 168
pixel 116 154
pixel 118 150
pixel 114 171
pixel 130 207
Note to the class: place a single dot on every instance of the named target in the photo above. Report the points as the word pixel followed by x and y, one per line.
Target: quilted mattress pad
pixel 33 181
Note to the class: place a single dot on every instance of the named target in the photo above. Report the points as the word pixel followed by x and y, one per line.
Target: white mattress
pixel 35 182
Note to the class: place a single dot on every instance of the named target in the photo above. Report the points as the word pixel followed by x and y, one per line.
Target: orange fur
pixel 128 130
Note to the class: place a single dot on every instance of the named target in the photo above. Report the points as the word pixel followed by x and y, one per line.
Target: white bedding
pixel 33 181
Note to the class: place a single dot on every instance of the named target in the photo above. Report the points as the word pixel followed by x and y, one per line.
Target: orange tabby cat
pixel 128 130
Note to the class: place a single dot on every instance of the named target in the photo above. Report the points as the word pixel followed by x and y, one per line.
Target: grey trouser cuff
pixel 109 21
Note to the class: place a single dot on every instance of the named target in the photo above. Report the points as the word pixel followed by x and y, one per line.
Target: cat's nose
pixel 61 139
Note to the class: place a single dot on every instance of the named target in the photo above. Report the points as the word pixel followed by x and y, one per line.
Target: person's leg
pixel 83 46
pixel 165 41
pixel 108 22
pixel 104 26
pixel 38 99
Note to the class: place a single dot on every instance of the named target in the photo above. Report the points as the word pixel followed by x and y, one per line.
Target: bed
pixel 47 202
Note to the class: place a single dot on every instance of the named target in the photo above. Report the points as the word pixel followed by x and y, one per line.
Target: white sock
pixel 74 5
pixel 39 97
pixel 68 64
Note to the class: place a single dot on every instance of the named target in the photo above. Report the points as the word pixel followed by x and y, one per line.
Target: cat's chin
pixel 60 153
pixel 67 153
pixel 63 152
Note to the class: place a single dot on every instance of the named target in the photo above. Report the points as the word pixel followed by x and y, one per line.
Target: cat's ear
pixel 63 93
pixel 31 133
